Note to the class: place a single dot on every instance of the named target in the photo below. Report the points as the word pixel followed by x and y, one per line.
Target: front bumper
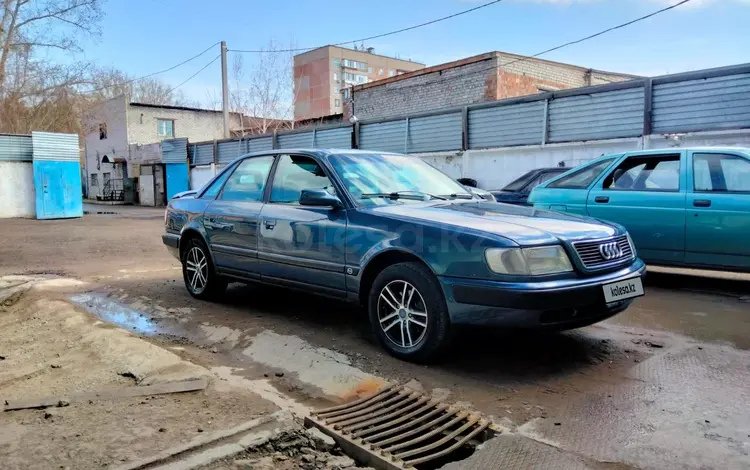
pixel 536 304
pixel 172 242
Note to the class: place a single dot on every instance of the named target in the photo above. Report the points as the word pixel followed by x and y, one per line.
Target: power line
pixel 155 73
pixel 600 32
pixel 194 75
pixel 377 36
pixel 622 25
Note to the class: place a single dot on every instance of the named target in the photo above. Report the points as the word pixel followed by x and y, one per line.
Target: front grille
pixel 591 257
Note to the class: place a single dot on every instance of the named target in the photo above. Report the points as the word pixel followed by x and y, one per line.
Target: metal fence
pixel 706 100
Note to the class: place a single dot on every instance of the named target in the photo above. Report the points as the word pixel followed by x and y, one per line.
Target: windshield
pixel 518 184
pixel 368 174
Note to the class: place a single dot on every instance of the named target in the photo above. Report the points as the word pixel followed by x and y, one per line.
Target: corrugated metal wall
pixel 300 140
pixel 384 136
pixel 338 138
pixel 597 116
pixel 202 154
pixel 174 150
pixel 435 133
pixel 502 126
pixel 17 148
pixel 228 151
pixel 56 147
pixel 260 144
pixel 704 104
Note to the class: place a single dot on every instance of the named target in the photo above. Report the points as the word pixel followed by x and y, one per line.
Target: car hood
pixel 523 225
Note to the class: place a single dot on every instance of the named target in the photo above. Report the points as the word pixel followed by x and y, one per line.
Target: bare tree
pixel 108 83
pixel 32 24
pixel 264 92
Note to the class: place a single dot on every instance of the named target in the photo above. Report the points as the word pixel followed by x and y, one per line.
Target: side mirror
pixel 320 198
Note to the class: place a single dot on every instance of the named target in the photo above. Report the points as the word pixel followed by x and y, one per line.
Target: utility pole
pixel 224 88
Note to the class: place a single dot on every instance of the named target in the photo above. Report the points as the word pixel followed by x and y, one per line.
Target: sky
pixel 144 36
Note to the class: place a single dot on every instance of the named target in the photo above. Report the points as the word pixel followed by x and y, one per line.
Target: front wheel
pixel 201 279
pixel 408 313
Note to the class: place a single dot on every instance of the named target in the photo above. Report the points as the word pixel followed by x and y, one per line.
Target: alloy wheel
pixel 196 266
pixel 402 314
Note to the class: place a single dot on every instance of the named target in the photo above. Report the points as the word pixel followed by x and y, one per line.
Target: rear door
pixel 231 220
pixel 718 206
pixel 646 194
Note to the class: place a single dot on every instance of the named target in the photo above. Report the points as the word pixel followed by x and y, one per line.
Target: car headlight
pixel 528 261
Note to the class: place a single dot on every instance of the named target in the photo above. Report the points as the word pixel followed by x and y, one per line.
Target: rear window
pixel 581 179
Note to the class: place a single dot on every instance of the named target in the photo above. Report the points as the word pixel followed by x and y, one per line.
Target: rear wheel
pixel 408 312
pixel 198 272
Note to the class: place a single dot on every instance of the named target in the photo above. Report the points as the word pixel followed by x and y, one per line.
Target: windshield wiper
pixel 406 194
pixel 457 196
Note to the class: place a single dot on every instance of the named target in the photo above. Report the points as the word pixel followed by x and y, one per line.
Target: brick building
pixel 323 77
pixel 115 124
pixel 486 77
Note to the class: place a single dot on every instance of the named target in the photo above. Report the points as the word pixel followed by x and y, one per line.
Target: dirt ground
pixel 662 385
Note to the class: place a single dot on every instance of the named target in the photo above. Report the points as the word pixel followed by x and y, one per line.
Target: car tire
pixel 198 272
pixel 415 325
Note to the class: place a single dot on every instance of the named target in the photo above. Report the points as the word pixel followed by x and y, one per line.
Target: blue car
pixel 413 247
pixel 683 207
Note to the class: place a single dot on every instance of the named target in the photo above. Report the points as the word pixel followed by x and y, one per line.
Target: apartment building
pixel 323 77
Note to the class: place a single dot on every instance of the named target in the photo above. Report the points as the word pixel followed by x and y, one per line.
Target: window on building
pixel 391 73
pixel 94 179
pixel 336 63
pixel 105 178
pixel 714 172
pixel 380 71
pixel 369 69
pixel 652 173
pixel 295 173
pixel 353 64
pixel 102 131
pixel 354 78
pixel 336 90
pixel 165 127
pixel 347 93
pixel 335 77
pixel 337 102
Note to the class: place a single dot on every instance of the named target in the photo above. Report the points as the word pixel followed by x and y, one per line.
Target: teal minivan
pixel 682 207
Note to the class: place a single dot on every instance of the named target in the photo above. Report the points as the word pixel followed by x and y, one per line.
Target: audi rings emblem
pixel 610 251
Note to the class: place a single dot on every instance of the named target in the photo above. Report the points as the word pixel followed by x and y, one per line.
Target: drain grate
pixel 398 428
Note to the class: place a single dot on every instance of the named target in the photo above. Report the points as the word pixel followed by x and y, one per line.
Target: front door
pixel 302 246
pixel 718 205
pixel 646 194
pixel 231 220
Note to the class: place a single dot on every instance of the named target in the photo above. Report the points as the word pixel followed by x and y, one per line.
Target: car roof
pixel 716 149
pixel 322 153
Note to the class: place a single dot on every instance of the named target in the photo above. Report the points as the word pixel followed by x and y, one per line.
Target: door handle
pixel 270 224
pixel 701 203
pixel 601 199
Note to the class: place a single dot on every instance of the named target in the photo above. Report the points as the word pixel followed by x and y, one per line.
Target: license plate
pixel 622 290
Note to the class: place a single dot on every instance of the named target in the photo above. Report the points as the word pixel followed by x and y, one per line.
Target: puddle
pixel 115 313
pixel 328 370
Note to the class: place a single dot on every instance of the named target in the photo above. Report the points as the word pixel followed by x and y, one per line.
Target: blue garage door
pixel 57 175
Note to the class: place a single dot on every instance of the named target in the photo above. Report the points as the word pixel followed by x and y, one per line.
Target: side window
pixel 720 173
pixel 215 187
pixel 248 181
pixel 581 179
pixel 295 173
pixel 652 173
